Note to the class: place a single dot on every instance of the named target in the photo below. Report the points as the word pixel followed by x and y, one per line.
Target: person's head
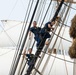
pixel 30 50
pixel 34 23
pixel 53 22
pixel 57 18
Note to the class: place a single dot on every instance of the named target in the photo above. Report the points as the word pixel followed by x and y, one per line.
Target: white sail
pixel 10 33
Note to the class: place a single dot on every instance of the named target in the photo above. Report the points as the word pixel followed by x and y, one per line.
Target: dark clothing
pixel 29 58
pixel 46 26
pixel 36 32
pixel 41 33
pixel 45 31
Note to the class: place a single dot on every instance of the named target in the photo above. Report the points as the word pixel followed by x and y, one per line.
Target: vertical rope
pixel 20 39
pixel 56 38
pixel 65 62
pixel 13 72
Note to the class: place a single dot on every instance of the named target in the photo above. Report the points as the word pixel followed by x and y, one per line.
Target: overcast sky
pixel 15 10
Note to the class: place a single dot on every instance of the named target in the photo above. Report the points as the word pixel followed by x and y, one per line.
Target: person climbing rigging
pixel 35 30
pixel 42 33
pixel 29 56
pixel 45 29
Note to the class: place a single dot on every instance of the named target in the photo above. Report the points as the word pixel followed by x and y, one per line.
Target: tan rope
pixel 56 53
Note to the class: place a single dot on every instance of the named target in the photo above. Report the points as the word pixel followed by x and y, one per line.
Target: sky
pixel 16 9
pixel 13 9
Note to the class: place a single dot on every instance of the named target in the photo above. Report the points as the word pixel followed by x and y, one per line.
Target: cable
pixel 39 10
pixel 41 17
pixel 59 58
pixel 57 11
pixel 23 4
pixel 12 73
pixel 51 66
pixel 63 49
pixel 53 10
pixel 64 24
pixel 55 55
pixel 13 8
pixel 24 25
pixel 64 59
pixel 21 36
pixel 40 60
pixel 30 8
pixel 6 53
pixel 46 12
pixel 9 37
pixel 69 6
pixel 61 37
pixel 11 27
pixel 41 14
pixel 44 18
pixel 39 50
pixel 57 36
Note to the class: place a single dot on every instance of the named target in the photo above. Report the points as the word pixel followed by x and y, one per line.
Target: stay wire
pixel 11 27
pixel 54 59
pixel 59 58
pixel 69 6
pixel 44 17
pixel 55 55
pixel 64 59
pixel 39 10
pixel 42 9
pixel 56 13
pixel 13 8
pixel 9 37
pixel 23 4
pixel 25 38
pixel 5 53
pixel 62 37
pixel 46 12
pixel 62 49
pixel 55 40
pixel 20 38
pixel 24 24
pixel 40 20
pixel 38 50
pixel 62 44
pixel 53 10
pixel 39 62
pixel 37 17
